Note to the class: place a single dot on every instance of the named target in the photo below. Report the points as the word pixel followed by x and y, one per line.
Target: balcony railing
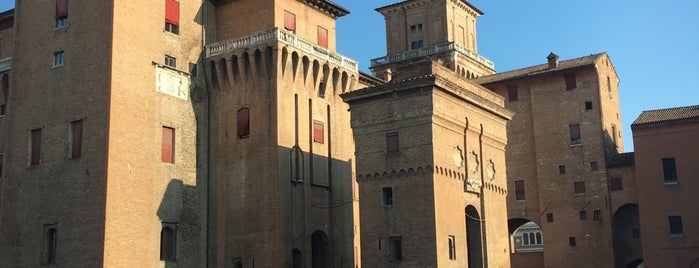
pixel 5 64
pixel 431 50
pixel 283 36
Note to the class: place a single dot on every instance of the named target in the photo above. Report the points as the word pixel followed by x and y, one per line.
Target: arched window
pixel 167 244
pixel 538 238
pixel 525 239
pixel 532 241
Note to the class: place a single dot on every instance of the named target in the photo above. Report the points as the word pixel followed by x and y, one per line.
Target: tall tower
pixel 444 30
pixel 281 146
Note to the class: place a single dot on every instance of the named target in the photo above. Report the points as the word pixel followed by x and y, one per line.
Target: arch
pixel 285 57
pixel 323 84
pixel 296 258
pixel 345 79
pixel 294 64
pixel 320 251
pixel 269 61
pixel 214 76
pixel 316 72
pixel 474 241
pixel 246 65
pixel 235 68
pixel 224 71
pixel 167 244
pixel 336 80
pixel 626 235
pixel 306 67
pixel 638 263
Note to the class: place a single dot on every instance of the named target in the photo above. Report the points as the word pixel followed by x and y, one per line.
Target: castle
pixel 231 133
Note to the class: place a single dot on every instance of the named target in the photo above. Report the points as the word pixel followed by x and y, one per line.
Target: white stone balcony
pixel 431 50
pixel 283 36
pixel 5 64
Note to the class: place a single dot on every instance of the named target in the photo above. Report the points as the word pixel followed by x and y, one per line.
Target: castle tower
pixel 281 146
pixel 444 30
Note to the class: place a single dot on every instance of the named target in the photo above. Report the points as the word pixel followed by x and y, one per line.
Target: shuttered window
pixel 575 134
pixel 243 123
pixel 61 9
pixel 318 132
pixel 616 184
pixel 289 21
pixel 35 147
pixel 168 148
pixel 519 190
pixel 392 142
pixel 579 187
pixel 172 12
pixel 322 37
pixel 76 138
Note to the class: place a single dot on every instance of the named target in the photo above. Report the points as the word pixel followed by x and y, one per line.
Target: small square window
pixel 549 217
pixel 616 184
pixel 571 241
pixel 61 22
pixel 597 215
pixel 387 196
pixel 583 215
pixel 579 187
pixel 170 61
pixel 675 223
pixel 588 105
pixel 172 28
pixel 417 44
pixel 58 58
pixel 561 170
pixel 593 166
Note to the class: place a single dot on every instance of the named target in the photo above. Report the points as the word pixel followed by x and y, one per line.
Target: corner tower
pixel 281 146
pixel 444 30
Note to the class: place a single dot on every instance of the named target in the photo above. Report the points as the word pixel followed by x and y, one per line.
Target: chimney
pixel 553 60
pixel 388 75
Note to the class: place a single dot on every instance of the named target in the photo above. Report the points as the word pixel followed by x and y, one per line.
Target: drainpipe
pixel 484 246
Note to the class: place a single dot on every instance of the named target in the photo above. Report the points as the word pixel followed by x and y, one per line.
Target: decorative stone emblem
pixel 458 158
pixel 490 170
pixel 171 83
pixel 472 162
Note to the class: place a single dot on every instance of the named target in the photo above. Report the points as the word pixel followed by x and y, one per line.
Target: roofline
pixel 480 13
pixel 545 71
pixel 331 7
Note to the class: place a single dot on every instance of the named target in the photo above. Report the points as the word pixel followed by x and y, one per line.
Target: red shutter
pixel 244 123
pixel 289 21
pixel 318 132
pixel 616 184
pixel 36 147
pixel 168 145
pixel 574 132
pixel 519 186
pixel 580 187
pixel 172 12
pixel 392 142
pixel 61 9
pixel 76 142
pixel 322 37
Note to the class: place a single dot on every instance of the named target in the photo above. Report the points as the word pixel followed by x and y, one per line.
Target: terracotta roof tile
pixel 621 160
pixel 664 116
pixel 540 69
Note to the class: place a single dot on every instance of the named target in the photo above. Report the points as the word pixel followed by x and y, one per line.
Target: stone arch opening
pixel 320 250
pixel 474 241
pixel 296 258
pixel 526 243
pixel 626 236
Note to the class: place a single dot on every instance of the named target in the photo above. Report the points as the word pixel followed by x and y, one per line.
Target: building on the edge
pixel 666 153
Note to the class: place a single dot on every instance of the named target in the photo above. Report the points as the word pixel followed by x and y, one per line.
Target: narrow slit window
pixel 51 244
pixel 243 123
pixel 76 139
pixel 35 147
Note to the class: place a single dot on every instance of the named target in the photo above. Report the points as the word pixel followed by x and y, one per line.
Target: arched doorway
pixel 627 237
pixel 320 251
pixel 474 240
pixel 296 258
pixel 526 243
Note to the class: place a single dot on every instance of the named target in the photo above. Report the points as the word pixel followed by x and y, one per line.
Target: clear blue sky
pixel 654 45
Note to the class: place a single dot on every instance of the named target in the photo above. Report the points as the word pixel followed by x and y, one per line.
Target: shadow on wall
pixel 179 236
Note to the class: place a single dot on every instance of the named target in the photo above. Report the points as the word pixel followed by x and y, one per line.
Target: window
pixel 597 215
pixel 575 134
pixel 392 142
pixel 416 28
pixel 58 58
pixel 616 184
pixel 35 147
pixel 519 190
pixel 579 187
pixel 244 123
pixel 51 243
pixel 512 93
pixel 170 61
pixel 635 233
pixel 318 131
pixel 561 170
pixel 289 21
pixel 532 239
pixel 238 262
pixel 2 161
pixel 588 105
pixel 593 166
pixel 396 248
pixel 452 247
pixel 583 215
pixel 3 109
pixel 669 170
pixel 322 37
pixel 539 239
pixel 168 148
pixel 525 238
pixel 675 223
pixel 609 85
pixel 168 243
pixel 416 44
pixel 570 81
pixel 549 217
pixel 571 241
pixel 388 196
pixel 76 138
pixel 172 16
pixel 61 13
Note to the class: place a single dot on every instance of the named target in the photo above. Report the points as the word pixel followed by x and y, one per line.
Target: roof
pixel 667 116
pixel 402 2
pixel 541 69
pixel 621 160
pixel 327 6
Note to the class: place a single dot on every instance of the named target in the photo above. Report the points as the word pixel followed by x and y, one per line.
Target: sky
pixel 653 44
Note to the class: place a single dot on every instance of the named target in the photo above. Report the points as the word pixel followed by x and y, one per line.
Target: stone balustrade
pixel 431 50
pixel 283 36
pixel 5 64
